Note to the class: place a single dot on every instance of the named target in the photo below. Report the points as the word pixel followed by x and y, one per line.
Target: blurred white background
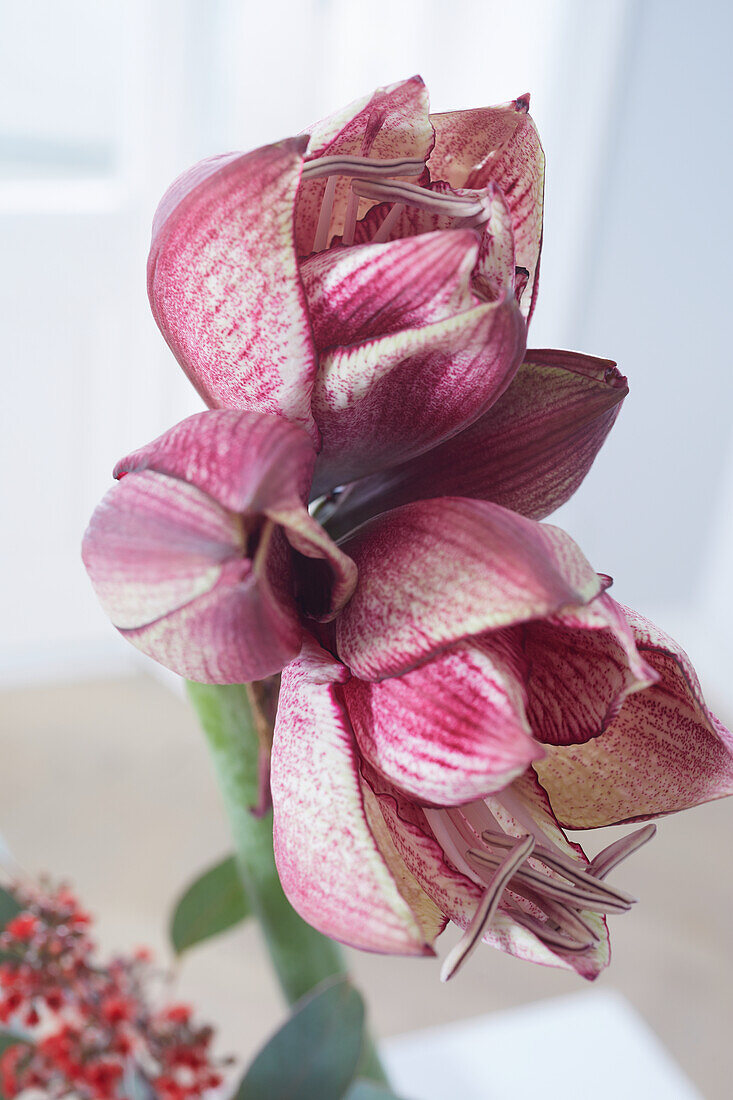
pixel 101 105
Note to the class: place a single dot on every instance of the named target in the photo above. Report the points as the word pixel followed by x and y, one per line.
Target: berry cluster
pixel 86 1029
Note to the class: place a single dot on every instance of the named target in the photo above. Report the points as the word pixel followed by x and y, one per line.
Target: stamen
pixel 388 224
pixel 569 920
pixel 453 206
pixel 486 908
pixel 362 166
pixel 600 901
pixel 567 867
pixel 551 936
pixel 324 218
pixel 352 208
pixel 615 853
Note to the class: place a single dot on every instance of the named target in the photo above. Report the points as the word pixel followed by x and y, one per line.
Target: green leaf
pixel 315 1054
pixel 213 903
pixel 9 907
pixel 367 1090
pixel 12 1039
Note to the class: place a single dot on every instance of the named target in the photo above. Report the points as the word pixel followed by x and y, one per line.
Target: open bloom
pixel 204 556
pixel 368 281
pixel 482 691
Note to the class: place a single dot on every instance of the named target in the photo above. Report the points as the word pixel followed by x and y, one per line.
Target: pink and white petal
pixel 465 139
pixel 498 145
pixel 664 751
pixel 224 286
pixel 238 632
pixel 457 896
pixel 495 269
pixel 359 293
pixel 391 123
pixel 437 571
pixel 583 664
pixel 382 402
pixel 155 543
pixel 529 452
pixel 448 732
pixel 327 575
pixel 329 862
pixel 246 461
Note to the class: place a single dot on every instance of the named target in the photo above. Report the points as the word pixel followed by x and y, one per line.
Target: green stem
pixel 302 957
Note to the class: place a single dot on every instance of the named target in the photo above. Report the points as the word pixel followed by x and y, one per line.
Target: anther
pixel 615 853
pixel 486 908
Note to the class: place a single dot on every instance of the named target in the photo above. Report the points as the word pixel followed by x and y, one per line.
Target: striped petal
pixel 450 731
pixel 437 571
pixel 357 294
pixel 391 123
pixel 529 452
pixel 664 751
pixel 224 286
pixel 498 145
pixel 330 864
pixel 381 402
pixel 169 566
pixel 262 465
pixel 583 664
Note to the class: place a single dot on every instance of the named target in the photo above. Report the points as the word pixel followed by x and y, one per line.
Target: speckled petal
pixel 583 664
pixel 434 572
pixel 450 731
pixel 529 452
pixel 664 751
pixel 224 286
pixel 356 294
pixel 498 145
pixel 328 859
pixel 381 402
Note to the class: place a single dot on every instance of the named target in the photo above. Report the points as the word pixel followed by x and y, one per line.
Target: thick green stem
pixel 302 957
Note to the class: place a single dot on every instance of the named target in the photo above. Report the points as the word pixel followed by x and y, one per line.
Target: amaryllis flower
pixel 204 556
pixel 368 281
pixel 397 357
pixel 480 693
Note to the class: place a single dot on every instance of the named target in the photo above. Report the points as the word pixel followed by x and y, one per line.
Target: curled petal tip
pixel 522 102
